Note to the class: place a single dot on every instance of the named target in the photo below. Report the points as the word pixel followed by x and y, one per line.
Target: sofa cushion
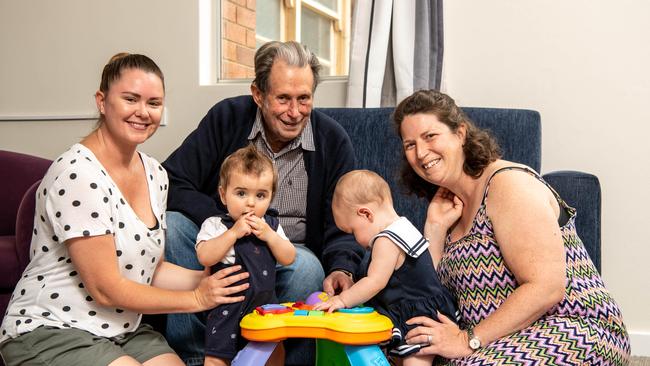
pixel 582 192
pixel 25 224
pixel 518 132
pixel 19 171
pixel 10 269
pixel 4 302
pixel 377 147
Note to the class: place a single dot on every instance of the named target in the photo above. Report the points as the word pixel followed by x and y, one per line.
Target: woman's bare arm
pixel 95 260
pixel 524 214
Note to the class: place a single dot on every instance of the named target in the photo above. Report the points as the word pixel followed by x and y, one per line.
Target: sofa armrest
pixel 25 225
pixel 582 191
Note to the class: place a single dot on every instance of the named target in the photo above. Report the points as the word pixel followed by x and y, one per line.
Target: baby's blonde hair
pixel 359 187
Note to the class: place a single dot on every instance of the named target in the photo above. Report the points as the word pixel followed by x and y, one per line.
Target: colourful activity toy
pixel 355 330
pixel 272 323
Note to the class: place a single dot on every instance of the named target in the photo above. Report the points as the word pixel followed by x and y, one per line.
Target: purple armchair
pixel 20 175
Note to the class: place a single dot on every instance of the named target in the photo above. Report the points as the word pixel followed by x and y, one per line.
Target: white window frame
pixel 209 28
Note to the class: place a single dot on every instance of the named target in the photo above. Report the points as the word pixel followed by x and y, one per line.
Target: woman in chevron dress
pixel 505 245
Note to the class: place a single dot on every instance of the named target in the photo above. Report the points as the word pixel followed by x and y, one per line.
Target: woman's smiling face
pixel 132 107
pixel 432 149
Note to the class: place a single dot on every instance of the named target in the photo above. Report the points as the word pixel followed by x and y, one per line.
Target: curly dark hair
pixel 480 148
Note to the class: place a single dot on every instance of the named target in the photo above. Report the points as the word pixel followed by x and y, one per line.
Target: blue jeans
pixel 185 332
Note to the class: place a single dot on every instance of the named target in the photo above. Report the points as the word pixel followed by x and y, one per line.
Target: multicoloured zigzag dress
pixel 585 328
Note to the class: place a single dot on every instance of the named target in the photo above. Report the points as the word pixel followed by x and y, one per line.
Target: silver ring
pixel 429 338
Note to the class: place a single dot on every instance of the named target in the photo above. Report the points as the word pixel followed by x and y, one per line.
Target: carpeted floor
pixel 640 361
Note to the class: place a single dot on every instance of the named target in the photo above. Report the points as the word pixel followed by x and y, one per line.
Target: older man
pixel 310 151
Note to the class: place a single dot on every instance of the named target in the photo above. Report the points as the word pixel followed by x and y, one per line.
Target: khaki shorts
pixel 69 347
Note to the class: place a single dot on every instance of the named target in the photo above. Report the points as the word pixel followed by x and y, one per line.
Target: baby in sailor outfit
pixel 401 281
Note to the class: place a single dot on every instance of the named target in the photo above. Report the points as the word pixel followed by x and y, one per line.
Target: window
pixel 322 25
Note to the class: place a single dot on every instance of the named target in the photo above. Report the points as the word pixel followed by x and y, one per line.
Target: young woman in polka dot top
pixel 99 235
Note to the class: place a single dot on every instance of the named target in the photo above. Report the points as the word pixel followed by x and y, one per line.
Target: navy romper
pixel 222 332
pixel 414 288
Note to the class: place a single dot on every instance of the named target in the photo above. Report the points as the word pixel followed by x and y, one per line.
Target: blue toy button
pixel 301 312
pixel 359 310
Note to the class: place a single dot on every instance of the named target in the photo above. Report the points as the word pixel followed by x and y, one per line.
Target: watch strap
pixel 473 340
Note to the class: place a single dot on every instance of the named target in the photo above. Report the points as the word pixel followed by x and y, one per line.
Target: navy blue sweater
pixel 194 175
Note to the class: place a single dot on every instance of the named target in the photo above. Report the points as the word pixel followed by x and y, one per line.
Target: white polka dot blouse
pixel 78 198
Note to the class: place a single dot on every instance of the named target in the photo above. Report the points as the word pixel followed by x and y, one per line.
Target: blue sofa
pixel 518 131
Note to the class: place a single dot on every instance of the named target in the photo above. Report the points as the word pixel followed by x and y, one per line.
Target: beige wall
pixel 52 54
pixel 582 64
pixel 585 65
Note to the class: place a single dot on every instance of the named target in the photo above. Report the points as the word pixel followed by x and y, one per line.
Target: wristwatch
pixel 474 342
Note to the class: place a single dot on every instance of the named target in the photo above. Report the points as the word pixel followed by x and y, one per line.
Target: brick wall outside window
pixel 238 39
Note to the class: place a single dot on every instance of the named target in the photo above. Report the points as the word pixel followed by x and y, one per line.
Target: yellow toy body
pixel 356 326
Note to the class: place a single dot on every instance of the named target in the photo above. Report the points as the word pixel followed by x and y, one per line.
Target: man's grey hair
pixel 291 52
